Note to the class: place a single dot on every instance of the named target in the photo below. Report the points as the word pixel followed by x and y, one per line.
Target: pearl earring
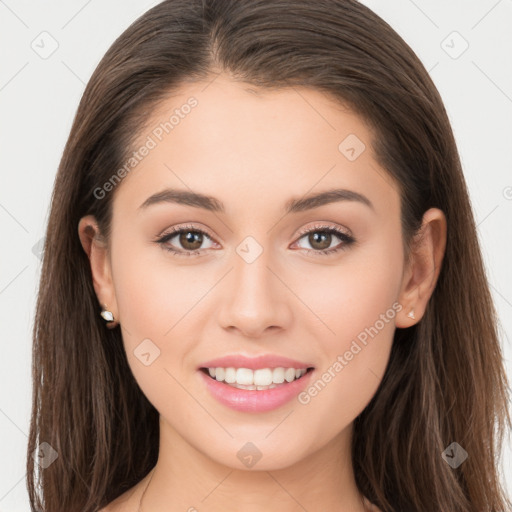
pixel 109 317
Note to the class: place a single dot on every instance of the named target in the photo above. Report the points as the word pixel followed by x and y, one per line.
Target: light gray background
pixel 39 97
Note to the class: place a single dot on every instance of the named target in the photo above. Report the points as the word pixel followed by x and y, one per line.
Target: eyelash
pixel 347 240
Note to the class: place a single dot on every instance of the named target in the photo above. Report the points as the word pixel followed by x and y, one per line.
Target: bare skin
pixel 254 151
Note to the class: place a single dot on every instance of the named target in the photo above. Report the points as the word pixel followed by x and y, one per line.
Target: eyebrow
pixel 294 205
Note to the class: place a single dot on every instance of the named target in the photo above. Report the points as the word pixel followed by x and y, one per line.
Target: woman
pixel 190 352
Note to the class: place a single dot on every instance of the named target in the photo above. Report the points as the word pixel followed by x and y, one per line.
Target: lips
pixel 259 397
pixel 255 401
pixel 255 362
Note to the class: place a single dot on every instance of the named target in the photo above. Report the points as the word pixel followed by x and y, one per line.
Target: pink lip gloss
pixel 253 400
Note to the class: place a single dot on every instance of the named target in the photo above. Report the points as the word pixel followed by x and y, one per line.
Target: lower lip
pixel 248 400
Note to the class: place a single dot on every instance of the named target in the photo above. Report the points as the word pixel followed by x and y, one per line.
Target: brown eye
pixel 320 239
pixel 186 241
pixel 191 240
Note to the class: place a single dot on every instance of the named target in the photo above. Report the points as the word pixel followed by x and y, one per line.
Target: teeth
pixel 289 374
pixel 253 387
pixel 262 378
pixel 230 376
pixel 243 376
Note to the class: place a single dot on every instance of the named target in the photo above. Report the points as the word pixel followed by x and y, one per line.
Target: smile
pixel 258 390
pixel 259 379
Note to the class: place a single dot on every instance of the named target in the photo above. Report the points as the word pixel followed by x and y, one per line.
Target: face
pixel 249 275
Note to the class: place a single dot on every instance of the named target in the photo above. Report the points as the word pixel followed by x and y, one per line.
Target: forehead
pixel 253 148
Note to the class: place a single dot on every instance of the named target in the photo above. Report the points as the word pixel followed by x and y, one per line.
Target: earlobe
pixel 97 251
pixel 421 277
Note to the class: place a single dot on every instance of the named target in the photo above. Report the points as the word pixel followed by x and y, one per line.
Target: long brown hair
pixel 445 380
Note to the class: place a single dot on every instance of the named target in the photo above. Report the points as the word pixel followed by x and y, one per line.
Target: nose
pixel 254 297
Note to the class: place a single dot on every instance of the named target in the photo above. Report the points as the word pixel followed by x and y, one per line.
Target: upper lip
pixel 254 363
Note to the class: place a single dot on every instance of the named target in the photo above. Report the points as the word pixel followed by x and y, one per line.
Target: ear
pixel 420 276
pixel 96 249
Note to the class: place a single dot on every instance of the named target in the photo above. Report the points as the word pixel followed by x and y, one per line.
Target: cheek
pixel 358 306
pixel 158 305
pixel 158 311
pixel 351 295
pixel 153 292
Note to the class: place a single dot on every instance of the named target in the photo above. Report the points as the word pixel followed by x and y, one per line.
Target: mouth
pixel 260 379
